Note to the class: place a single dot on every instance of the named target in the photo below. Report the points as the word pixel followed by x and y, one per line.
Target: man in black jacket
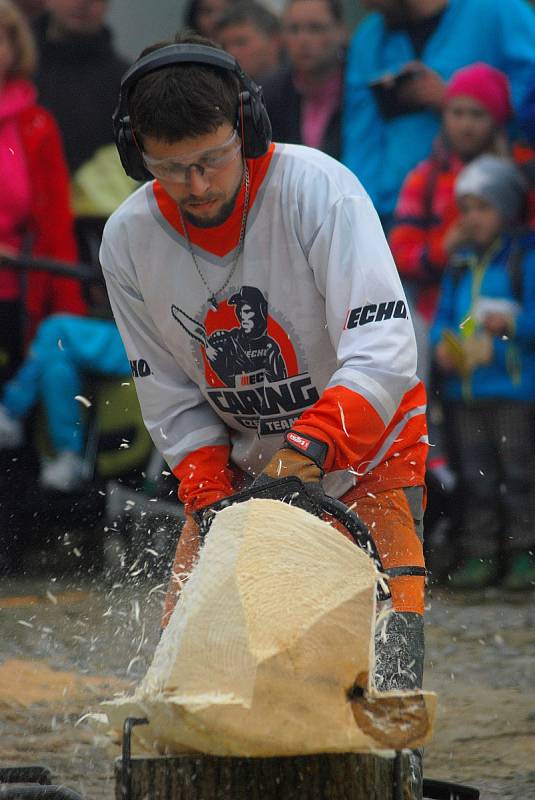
pixel 79 74
pixel 304 96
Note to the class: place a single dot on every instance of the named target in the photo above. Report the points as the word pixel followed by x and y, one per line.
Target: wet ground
pixel 67 643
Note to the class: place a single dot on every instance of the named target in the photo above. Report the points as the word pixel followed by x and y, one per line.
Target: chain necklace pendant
pixel 212 299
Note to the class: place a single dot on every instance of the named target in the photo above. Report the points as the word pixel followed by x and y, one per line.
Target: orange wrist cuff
pixel 204 477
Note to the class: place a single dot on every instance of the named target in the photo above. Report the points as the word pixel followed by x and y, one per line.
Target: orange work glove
pixel 302 457
pixel 287 462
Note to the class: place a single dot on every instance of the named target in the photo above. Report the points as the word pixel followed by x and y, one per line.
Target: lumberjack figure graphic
pixel 246 350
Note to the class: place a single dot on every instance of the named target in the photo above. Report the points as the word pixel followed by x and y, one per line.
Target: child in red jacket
pixel 426 226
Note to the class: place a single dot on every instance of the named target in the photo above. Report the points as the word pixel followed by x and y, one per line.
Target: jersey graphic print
pixel 250 364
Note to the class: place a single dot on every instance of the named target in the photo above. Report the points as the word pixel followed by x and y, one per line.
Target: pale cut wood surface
pixel 270 632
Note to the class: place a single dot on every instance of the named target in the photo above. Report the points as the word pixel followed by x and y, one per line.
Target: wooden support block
pixel 346 776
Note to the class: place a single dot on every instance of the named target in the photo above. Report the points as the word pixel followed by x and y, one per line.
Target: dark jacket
pixel 283 103
pixel 78 81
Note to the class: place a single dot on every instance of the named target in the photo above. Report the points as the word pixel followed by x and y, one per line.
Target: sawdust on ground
pixel 25 683
pixel 65 658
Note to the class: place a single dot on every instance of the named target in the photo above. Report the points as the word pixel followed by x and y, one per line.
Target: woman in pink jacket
pixel 35 215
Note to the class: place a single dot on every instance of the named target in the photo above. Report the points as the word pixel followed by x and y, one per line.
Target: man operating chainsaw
pixel 255 281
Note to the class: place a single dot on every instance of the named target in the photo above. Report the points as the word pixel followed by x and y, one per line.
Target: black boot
pixel 399 665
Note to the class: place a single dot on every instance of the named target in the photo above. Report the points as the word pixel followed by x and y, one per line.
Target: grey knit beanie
pixel 496 180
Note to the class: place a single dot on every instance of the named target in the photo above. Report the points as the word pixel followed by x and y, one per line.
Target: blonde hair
pixel 18 30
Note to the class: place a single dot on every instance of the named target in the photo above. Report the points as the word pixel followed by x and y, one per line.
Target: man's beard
pixel 222 215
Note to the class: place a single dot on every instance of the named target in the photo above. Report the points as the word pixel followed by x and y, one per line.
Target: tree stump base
pixel 315 777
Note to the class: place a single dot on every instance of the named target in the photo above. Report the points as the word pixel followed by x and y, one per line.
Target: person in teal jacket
pixel 66 348
pixel 390 122
pixel 484 343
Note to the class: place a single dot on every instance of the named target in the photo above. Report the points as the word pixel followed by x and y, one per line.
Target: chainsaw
pixel 312 499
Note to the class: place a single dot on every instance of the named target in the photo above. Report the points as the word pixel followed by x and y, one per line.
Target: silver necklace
pixel 212 296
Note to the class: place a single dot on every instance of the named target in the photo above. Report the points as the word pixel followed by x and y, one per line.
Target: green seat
pixel 123 443
pixel 117 442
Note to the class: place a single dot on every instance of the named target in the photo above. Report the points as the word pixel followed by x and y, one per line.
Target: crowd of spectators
pixel 431 103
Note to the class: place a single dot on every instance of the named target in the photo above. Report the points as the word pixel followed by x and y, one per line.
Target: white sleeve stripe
pixel 396 385
pixel 205 437
pixel 364 384
pixel 371 398
pixel 391 438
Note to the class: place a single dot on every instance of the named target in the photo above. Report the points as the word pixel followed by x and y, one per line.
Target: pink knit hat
pixel 486 84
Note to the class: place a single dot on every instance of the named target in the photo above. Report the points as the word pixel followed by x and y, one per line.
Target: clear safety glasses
pixel 206 162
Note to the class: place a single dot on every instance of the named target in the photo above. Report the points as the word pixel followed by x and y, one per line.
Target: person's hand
pixel 498 324
pixel 288 462
pixel 454 237
pixel 445 358
pixel 302 457
pixel 424 88
pixel 477 351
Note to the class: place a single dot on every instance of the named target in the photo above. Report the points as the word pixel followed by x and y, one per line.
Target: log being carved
pixel 269 635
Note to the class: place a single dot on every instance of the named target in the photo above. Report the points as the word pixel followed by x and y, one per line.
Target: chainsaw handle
pixel 354 525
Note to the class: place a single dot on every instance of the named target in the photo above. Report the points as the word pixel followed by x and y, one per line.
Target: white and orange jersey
pixel 312 331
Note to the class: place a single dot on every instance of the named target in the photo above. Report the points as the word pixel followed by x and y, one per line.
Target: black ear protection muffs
pixel 252 119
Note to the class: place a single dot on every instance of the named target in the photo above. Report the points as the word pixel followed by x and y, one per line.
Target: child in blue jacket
pixel 484 343
pixel 66 347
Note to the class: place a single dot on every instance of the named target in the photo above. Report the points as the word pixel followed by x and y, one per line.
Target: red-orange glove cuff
pixel 204 477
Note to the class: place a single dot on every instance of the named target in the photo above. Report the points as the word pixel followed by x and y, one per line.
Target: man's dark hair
pixel 336 8
pixel 256 14
pixel 183 100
